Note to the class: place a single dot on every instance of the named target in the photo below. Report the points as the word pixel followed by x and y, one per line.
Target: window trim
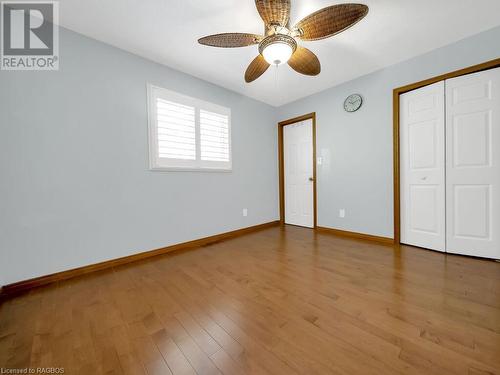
pixel 197 165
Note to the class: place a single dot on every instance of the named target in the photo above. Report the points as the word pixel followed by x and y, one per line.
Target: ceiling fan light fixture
pixel 277 53
pixel 277 49
pixel 279 45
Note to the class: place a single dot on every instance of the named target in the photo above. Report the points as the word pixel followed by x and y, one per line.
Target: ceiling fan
pixel 279 44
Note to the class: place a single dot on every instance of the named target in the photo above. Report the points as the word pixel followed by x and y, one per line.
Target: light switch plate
pixel 245 212
pixel 342 213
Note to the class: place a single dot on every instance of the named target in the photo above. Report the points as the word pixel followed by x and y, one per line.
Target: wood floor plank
pixel 150 356
pixel 175 359
pixel 341 327
pixel 196 357
pixel 279 301
pixel 226 364
pixel 303 341
pixel 305 314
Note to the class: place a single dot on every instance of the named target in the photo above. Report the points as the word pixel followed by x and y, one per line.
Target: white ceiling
pixel 166 31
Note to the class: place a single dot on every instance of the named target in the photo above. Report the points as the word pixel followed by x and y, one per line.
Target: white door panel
pixel 298 161
pixel 422 177
pixel 473 164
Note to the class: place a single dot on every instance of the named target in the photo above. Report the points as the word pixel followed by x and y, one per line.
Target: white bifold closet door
pixel 473 164
pixel 422 161
pixel 450 165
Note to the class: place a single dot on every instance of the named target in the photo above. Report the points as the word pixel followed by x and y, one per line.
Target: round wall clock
pixel 353 103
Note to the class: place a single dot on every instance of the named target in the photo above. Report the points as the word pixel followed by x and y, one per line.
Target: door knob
pixel 311 179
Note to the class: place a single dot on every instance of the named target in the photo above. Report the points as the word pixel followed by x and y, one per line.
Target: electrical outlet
pixel 342 213
pixel 245 212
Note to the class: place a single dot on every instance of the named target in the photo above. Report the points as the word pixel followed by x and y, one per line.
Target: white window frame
pixel 168 164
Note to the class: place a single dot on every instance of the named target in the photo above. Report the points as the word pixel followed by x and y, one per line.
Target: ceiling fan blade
pixel 230 40
pixel 330 21
pixel 274 11
pixel 305 62
pixel 256 68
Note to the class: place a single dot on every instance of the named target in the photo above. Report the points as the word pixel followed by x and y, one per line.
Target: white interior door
pixel 473 164
pixel 298 162
pixel 422 167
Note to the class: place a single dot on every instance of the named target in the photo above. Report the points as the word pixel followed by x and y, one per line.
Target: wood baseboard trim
pixel 357 236
pixel 24 285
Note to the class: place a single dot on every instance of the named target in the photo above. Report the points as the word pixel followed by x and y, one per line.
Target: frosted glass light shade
pixel 277 53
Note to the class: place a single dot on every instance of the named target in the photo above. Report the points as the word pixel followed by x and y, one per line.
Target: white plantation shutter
pixel 214 136
pixel 187 133
pixel 176 130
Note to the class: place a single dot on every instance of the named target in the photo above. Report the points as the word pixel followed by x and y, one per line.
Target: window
pixel 187 133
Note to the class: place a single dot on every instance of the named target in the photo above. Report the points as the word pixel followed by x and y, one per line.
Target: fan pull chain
pixel 276 78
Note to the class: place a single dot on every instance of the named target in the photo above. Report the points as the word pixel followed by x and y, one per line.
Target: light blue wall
pixel 75 186
pixel 357 148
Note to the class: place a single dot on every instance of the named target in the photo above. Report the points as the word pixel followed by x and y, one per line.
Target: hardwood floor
pixel 277 301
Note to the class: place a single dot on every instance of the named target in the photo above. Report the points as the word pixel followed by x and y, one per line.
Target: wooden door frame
pixel 395 100
pixel 281 160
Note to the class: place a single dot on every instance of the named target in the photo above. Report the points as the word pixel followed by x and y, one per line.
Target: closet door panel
pixel 422 163
pixel 473 164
